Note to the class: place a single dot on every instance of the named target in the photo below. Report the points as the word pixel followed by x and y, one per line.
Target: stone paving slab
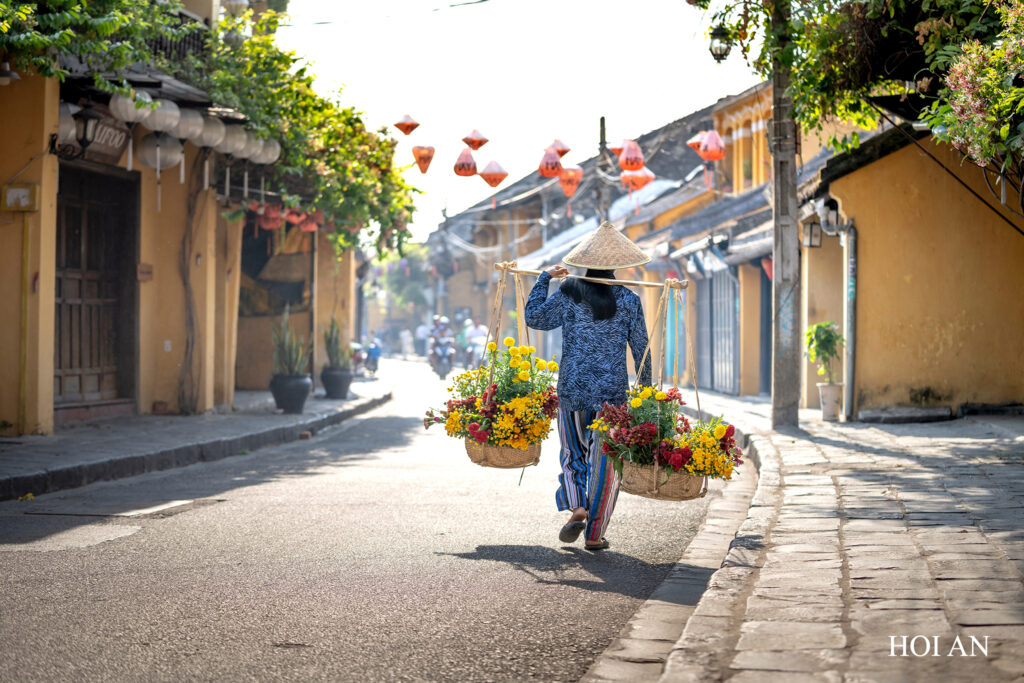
pixel 129 446
pixel 867 534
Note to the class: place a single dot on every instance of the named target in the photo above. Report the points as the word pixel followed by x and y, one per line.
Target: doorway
pixel 95 295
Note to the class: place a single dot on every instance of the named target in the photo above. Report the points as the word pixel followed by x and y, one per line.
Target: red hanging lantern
pixel 272 210
pixel 560 147
pixel 631 159
pixel 493 174
pixel 294 216
pixel 475 140
pixel 407 124
pixel 308 225
pixel 465 165
pixel 570 179
pixel 694 142
pixel 550 164
pixel 617 149
pixel 711 147
pixel 423 156
pixel 266 222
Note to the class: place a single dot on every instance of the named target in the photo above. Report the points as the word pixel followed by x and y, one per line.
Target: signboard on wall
pixel 111 138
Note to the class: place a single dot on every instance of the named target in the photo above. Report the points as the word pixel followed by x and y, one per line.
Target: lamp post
pixel 786 247
pixel 86 120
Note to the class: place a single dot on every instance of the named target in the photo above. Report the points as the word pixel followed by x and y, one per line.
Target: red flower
pixel 686 453
pixel 473 426
pixel 676 459
pixel 730 431
pixel 481 435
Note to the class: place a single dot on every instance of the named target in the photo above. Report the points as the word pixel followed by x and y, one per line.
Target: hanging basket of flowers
pixel 503 411
pixel 657 452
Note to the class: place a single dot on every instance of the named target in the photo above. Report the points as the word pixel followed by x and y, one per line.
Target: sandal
pixel 571 531
pixel 603 545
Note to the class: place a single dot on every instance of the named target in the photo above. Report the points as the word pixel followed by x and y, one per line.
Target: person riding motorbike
pixel 476 337
pixel 441 331
pixel 442 339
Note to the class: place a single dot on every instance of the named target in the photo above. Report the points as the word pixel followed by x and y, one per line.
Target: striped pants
pixel 587 479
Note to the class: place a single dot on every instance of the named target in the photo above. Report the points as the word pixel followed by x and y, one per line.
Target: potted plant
pixel 290 384
pixel 824 344
pixel 337 374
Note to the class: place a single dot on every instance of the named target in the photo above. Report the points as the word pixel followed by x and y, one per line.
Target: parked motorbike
pixel 444 356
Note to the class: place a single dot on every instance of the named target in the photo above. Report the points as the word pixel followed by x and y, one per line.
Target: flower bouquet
pixel 503 411
pixel 656 450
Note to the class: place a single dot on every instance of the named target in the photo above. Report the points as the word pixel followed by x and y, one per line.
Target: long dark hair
pixel 599 295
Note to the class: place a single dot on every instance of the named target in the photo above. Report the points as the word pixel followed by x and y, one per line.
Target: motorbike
pixel 444 356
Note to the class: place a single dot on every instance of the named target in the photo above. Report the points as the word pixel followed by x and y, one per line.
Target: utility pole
pixel 786 355
pixel 602 165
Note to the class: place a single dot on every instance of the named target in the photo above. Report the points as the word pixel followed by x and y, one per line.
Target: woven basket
pixel 649 481
pixel 504 457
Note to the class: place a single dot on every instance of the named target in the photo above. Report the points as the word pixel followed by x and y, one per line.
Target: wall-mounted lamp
pixel 720 45
pixel 812 233
pixel 86 121
pixel 7 75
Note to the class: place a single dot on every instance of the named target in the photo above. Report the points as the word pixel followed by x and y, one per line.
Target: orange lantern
pixel 272 210
pixel 694 142
pixel 475 140
pixel 711 147
pixel 423 155
pixel 550 164
pixel 617 150
pixel 570 179
pixel 560 147
pixel 637 180
pixel 631 159
pixel 493 174
pixel 407 124
pixel 266 222
pixel 465 165
pixel 294 216
pixel 308 225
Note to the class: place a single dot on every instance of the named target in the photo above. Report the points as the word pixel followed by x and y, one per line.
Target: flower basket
pixel 503 457
pixel 657 452
pixel 651 481
pixel 502 411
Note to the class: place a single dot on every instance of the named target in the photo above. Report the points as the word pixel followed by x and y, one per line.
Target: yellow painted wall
pixel 26 340
pixel 939 311
pixel 255 363
pixel 821 271
pixel 750 329
pixel 228 267
pixel 336 296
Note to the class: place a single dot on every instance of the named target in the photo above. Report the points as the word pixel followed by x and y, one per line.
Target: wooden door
pixel 93 296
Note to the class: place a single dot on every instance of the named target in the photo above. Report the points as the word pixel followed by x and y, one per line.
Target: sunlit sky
pixel 523 72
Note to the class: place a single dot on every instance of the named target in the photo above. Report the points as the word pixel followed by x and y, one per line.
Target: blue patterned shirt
pixel 592 367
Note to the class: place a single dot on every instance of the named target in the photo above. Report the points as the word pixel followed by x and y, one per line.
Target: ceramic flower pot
pixel 336 381
pixel 831 396
pixel 290 391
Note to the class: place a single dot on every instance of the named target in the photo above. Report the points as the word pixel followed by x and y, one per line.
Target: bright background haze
pixel 523 72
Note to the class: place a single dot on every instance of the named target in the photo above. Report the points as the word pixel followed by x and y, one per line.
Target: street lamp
pixel 812 233
pixel 86 120
pixel 720 43
pixel 7 75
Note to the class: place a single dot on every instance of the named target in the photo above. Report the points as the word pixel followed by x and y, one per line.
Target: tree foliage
pixel 841 52
pixel 107 35
pixel 406 277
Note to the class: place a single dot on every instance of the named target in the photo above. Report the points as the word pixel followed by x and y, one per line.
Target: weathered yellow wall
pixel 255 363
pixel 26 341
pixel 821 271
pixel 750 329
pixel 335 296
pixel 939 311
pixel 228 277
pixel 685 209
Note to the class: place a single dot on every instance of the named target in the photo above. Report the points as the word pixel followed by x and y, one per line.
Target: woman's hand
pixel 558 271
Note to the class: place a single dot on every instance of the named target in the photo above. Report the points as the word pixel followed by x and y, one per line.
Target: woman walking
pixel 598 321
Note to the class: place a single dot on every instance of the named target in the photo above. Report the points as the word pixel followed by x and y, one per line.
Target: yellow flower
pixel 533 349
pixel 524 350
pixel 514 363
pixel 491 346
pixel 553 366
pixel 524 375
pixel 509 341
pixel 636 403
pixel 646 393
pixel 661 396
pixel 542 364
pixel 720 431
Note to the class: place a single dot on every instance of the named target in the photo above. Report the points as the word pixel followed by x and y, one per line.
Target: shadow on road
pixel 613 572
pixel 23 522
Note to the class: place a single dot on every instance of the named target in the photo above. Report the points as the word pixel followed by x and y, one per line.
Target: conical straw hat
pixel 606 249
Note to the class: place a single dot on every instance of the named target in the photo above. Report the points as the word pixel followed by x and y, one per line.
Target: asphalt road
pixel 375 551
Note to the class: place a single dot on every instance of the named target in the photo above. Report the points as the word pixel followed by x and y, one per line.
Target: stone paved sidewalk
pixel 128 446
pixel 861 535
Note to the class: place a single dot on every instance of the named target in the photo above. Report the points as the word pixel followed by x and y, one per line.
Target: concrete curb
pixel 73 476
pixel 643 647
